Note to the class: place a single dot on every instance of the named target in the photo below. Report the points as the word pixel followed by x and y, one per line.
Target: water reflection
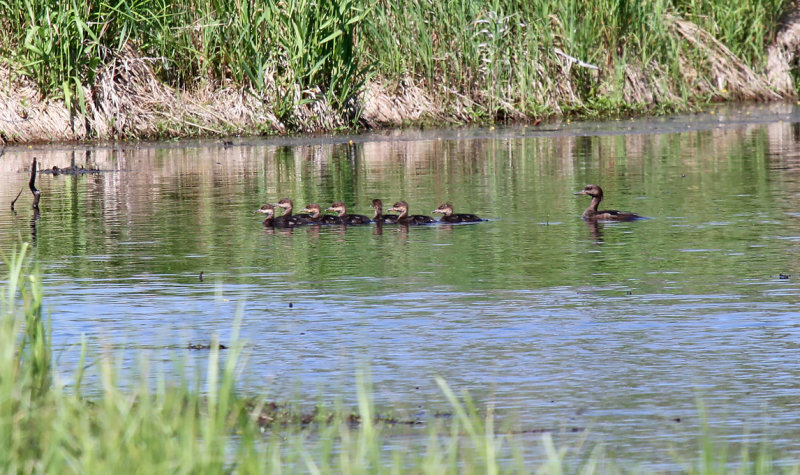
pixel 561 322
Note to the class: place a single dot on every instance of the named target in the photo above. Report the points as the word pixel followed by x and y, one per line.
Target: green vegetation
pixel 475 60
pixel 51 427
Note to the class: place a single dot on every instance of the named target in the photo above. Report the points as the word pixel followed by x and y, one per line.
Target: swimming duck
pixel 315 215
pixel 268 210
pixel 341 208
pixel 591 212
pixel 287 219
pixel 377 205
pixel 447 210
pixel 402 208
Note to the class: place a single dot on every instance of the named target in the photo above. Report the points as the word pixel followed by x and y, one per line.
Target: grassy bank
pixel 50 426
pixel 141 68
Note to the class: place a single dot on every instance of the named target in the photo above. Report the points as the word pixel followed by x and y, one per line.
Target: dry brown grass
pixel 782 54
pixel 725 77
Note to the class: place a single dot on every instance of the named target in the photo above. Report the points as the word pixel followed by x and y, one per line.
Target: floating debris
pixel 201 346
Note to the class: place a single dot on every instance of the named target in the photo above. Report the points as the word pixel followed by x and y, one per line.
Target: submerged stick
pixel 15 200
pixel 32 185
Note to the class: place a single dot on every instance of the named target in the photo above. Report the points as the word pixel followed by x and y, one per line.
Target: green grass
pixel 48 425
pixel 483 60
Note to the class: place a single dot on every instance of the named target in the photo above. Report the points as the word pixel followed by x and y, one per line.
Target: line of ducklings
pixel 312 214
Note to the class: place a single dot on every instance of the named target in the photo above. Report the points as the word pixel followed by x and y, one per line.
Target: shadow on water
pixel 618 327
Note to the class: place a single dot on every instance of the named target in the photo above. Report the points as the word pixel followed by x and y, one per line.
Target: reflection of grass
pixel 176 427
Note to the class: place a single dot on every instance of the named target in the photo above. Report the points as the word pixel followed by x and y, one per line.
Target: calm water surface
pixel 618 328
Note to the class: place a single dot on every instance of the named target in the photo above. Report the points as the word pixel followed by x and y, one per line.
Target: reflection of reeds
pixel 383 168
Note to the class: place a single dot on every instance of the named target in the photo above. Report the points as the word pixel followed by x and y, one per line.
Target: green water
pixel 616 328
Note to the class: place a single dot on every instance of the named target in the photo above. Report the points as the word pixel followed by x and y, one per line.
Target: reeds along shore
pixel 87 69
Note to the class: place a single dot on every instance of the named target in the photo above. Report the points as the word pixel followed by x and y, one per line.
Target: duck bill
pixel 582 192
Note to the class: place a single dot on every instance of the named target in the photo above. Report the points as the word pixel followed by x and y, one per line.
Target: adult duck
pixel 592 212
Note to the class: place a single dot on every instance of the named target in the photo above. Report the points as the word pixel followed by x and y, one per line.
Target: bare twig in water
pixel 32 185
pixel 15 200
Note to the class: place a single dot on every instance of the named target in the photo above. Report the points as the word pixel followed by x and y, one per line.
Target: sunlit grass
pixel 174 426
pixel 484 60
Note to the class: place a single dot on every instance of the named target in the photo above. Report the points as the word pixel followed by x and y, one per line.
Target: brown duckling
pixel 315 215
pixel 268 210
pixel 287 219
pixel 377 205
pixel 592 213
pixel 404 218
pixel 447 210
pixel 340 208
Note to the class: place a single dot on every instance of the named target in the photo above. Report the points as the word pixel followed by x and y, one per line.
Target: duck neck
pixel 378 213
pixel 403 214
pixel 592 209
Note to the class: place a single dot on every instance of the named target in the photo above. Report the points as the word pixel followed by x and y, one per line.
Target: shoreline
pixel 129 100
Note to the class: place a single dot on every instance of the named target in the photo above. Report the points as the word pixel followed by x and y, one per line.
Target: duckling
pixel 287 219
pixel 377 205
pixel 315 215
pixel 268 210
pixel 447 210
pixel 592 213
pixel 402 208
pixel 341 208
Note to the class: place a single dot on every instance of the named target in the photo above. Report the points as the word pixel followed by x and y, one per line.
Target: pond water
pixel 615 331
